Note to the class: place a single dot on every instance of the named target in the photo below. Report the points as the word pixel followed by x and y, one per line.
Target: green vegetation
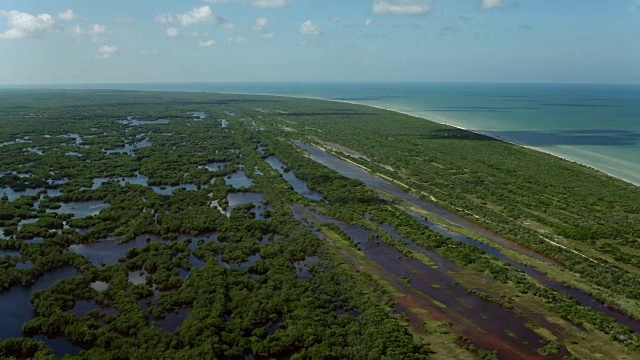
pixel 213 263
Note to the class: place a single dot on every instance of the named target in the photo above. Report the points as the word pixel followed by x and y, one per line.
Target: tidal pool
pixel 199 115
pixel 214 166
pixel 487 324
pixel 16 306
pixel 81 209
pixel 137 179
pixel 133 120
pixel 108 252
pixel 238 180
pixel 130 149
pixel 172 321
pixel 299 185
pixel 237 199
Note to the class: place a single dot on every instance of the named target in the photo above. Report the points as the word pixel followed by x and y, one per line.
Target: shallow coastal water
pixel 593 124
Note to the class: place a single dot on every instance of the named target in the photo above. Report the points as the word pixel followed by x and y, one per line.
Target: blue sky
pixel 80 41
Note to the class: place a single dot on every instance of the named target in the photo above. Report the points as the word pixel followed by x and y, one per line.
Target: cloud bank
pixel 309 28
pixel 400 7
pixel 107 51
pixel 491 4
pixel 264 4
pixel 23 25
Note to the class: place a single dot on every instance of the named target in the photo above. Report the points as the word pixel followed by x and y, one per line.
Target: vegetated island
pixel 197 225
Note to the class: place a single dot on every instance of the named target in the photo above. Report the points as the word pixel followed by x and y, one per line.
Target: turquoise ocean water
pixel 595 124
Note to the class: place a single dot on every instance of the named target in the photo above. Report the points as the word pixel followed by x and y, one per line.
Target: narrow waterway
pixel 486 324
pixel 354 172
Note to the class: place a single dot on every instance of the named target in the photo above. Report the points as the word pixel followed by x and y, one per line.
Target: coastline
pixel 509 141
pixel 633 180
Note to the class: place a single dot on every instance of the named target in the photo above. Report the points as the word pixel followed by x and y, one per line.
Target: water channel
pixel 354 172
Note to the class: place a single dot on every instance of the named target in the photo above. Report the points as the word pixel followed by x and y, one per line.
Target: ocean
pixel 594 124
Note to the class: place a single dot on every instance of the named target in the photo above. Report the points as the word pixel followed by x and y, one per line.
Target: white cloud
pixel 268 36
pixel 77 32
pixel 67 15
pixel 98 32
pixel 164 19
pixel 207 43
pixel 145 52
pixel 491 4
pixel 260 24
pixel 367 22
pixel 270 3
pixel 173 31
pixel 257 3
pixel 98 29
pixel 196 16
pixel 107 51
pixel 309 28
pixel 236 40
pixel 401 7
pixel 22 25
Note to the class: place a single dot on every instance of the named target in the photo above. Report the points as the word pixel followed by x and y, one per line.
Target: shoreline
pixel 499 138
pixel 386 108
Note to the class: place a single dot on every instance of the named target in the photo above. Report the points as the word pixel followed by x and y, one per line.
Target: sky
pixel 116 41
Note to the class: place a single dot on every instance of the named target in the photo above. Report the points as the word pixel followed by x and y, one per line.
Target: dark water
pixel 486 324
pixel 354 172
pixel 214 166
pixel 237 199
pixel 132 120
pixel 137 179
pixel 81 209
pixel 238 180
pixel 299 185
pixel 108 252
pixel 15 303
pixel 172 321
pixel 198 115
pixel 82 308
pixel 303 266
pixel 130 149
pixel 168 189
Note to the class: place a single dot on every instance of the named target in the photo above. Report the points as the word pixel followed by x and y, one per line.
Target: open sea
pixel 594 124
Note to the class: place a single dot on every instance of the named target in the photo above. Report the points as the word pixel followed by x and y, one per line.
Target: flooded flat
pixel 137 179
pixel 14 195
pixel 198 115
pixel 303 266
pixel 299 185
pixel 354 172
pixel 172 321
pixel 16 306
pixel 168 189
pixel 237 199
pixel 10 253
pixel 130 149
pixel 81 209
pixel 133 120
pixel 59 346
pixel 108 252
pixel 238 180
pixel 484 323
pixel 137 277
pixel 82 307
pixel 214 166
